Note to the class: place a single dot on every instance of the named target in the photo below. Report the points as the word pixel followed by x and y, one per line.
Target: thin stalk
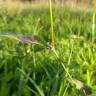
pixel 35 93
pixel 64 67
pixel 93 27
pixel 64 94
pixel 70 56
pixel 51 21
pixel 69 60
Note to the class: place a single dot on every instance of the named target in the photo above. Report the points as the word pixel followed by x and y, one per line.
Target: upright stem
pixel 93 27
pixel 51 19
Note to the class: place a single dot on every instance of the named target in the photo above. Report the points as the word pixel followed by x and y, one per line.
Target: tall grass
pixel 51 22
pixel 31 69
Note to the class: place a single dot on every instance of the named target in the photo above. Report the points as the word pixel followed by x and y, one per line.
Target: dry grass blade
pixel 27 39
pixel 22 38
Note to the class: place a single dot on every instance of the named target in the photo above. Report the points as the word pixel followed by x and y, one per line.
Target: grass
pixel 29 68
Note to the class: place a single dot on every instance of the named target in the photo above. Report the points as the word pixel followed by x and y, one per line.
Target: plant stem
pixel 66 89
pixel 51 21
pixel 93 27
pixel 64 67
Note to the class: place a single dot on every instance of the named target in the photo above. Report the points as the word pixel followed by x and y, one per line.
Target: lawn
pixel 30 66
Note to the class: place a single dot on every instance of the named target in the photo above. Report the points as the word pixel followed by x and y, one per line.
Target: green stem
pixel 93 27
pixel 64 67
pixel 51 21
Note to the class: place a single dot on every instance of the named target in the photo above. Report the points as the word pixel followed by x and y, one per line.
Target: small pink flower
pixel 50 46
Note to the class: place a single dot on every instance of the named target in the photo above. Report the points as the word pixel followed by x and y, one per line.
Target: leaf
pixel 22 38
pixel 28 39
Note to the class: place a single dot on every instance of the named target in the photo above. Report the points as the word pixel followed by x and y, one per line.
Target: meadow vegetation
pixel 30 67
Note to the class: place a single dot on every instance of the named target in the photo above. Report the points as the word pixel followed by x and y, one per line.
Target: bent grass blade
pixel 36 86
